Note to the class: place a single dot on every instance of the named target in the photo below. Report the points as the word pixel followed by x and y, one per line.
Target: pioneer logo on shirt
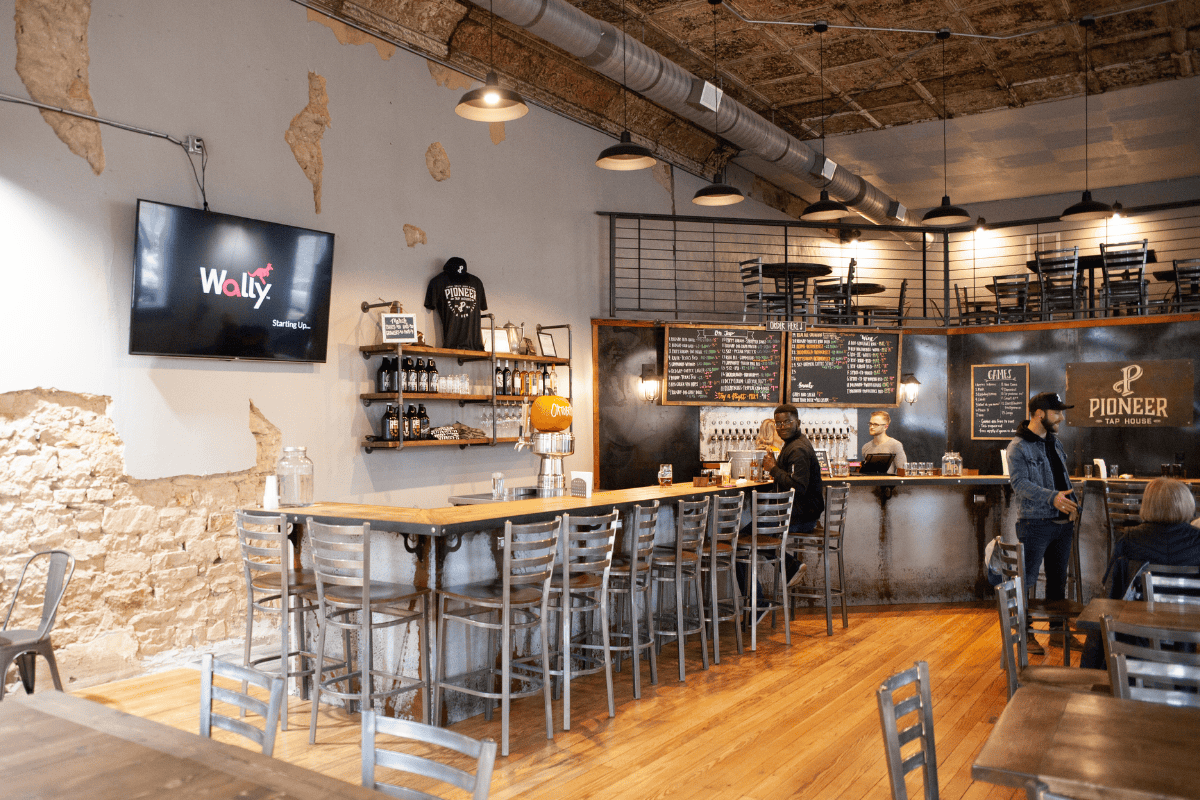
pixel 213 282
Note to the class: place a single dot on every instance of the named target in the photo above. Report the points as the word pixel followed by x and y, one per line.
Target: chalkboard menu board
pixel 999 394
pixel 713 366
pixel 843 369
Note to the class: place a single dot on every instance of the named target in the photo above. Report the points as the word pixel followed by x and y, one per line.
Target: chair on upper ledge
pixel 970 313
pixel 519 600
pixel 678 566
pixel 275 588
pixel 826 542
pixel 759 293
pixel 630 584
pixel 1010 600
pixel 876 314
pixel 1058 273
pixel 351 601
pixel 1012 297
pixel 1124 285
pixel 273 685
pixel 724 522
pixel 1187 286
pixel 23 646
pixel 770 515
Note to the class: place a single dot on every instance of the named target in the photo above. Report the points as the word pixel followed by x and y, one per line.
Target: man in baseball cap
pixel 1037 469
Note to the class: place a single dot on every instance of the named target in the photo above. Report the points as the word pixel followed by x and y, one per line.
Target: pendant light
pixel 824 209
pixel 945 214
pixel 625 155
pixel 1087 208
pixel 717 193
pixel 491 102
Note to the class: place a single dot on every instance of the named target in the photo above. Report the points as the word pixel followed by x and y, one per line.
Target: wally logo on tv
pixel 212 282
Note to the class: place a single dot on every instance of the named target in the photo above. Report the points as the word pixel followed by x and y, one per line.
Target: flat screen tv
pixel 209 285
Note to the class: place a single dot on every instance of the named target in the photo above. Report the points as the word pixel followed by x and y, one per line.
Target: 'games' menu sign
pixel 1130 394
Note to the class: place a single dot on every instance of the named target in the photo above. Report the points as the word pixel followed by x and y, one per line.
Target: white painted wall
pixel 521 213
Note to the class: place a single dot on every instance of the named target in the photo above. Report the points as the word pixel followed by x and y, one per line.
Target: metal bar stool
pixel 630 583
pixel 771 514
pixel 724 522
pixel 827 543
pixel 275 588
pixel 580 587
pixel 519 600
pixel 678 566
pixel 349 600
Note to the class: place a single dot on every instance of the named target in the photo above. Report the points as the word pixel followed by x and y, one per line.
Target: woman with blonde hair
pixel 768 438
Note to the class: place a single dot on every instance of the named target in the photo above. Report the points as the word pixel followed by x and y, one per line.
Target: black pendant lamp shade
pixel 1087 208
pixel 946 214
pixel 718 193
pixel 625 155
pixel 491 102
pixel 824 209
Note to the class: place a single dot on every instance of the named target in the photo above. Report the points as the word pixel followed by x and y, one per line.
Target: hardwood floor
pixel 782 722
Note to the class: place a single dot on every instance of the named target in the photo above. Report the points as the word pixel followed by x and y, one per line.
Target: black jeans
pixel 1049 542
pixel 790 562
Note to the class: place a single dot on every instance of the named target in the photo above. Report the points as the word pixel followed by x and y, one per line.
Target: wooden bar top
pixel 55 745
pixel 1092 746
pixel 488 516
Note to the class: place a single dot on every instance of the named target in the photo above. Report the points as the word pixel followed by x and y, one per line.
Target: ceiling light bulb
pixel 491 97
pixel 491 103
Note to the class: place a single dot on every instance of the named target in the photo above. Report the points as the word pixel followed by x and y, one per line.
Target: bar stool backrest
pixel 725 520
pixel 265 555
pixel 587 544
pixel 1152 664
pixel 242 700
pixel 837 500
pixel 640 538
pixel 772 513
pixel 530 552
pixel 892 711
pixel 1058 271
pixel 1179 589
pixel 341 558
pixel 478 782
pixel 1187 284
pixel 691 523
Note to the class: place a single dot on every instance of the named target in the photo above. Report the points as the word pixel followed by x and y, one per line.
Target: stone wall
pixel 157 563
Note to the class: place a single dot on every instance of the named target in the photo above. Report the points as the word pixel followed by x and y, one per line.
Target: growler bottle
pixel 391 424
pixel 432 381
pixel 422 376
pixel 410 375
pixel 423 421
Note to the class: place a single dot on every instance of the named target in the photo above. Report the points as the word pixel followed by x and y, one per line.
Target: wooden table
pixel 55 745
pixel 1093 747
pixel 1173 616
pixel 791 273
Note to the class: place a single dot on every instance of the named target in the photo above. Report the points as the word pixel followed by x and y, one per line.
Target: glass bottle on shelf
pixel 390 424
pixel 410 375
pixel 499 377
pixel 412 424
pixel 507 379
pixel 434 381
pixel 544 383
pixel 295 473
pixel 422 377
pixel 383 377
pixel 423 421
pixel 553 381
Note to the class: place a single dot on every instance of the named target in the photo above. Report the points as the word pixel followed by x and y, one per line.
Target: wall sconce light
pixel 1117 209
pixel 849 236
pixel 650 383
pixel 980 225
pixel 909 386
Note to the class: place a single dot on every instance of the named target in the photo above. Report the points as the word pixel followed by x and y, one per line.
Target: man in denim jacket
pixel 1037 469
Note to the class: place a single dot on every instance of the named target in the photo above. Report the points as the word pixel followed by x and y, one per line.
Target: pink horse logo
pixel 261 273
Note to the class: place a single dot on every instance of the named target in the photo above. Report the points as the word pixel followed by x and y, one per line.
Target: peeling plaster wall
pixel 521 212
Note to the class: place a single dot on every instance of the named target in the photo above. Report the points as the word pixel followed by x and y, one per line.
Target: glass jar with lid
pixel 295 472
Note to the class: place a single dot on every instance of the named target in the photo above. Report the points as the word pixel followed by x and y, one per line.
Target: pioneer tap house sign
pixel 1130 394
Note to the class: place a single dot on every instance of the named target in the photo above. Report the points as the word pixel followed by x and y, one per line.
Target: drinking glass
pixel 664 474
pixel 1087 470
pixel 497 485
pixel 1113 471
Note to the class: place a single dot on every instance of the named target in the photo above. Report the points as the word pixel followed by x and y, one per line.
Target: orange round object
pixel 550 414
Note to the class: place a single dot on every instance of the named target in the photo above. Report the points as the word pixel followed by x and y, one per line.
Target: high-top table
pixel 1093 747
pixel 1173 616
pixel 55 745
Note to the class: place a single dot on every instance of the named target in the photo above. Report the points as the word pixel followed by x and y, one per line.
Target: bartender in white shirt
pixel 882 443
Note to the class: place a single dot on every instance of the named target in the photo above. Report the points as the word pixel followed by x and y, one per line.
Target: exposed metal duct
pixel 599 45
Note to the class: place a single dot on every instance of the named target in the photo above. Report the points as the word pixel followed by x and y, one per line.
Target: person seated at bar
pixel 882 443
pixel 1166 536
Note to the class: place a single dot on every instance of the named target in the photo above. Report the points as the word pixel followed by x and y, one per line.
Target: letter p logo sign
pixel 1128 375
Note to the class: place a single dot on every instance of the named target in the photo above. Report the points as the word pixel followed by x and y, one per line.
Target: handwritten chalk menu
pixel 998 396
pixel 843 369
pixel 710 366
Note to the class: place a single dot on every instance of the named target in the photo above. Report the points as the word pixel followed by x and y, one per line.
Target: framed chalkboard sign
pixel 734 365
pixel 844 369
pixel 999 395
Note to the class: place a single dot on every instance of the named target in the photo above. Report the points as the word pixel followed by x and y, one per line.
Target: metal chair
pixel 770 515
pixel 477 783
pixel 966 314
pixel 760 293
pixel 1157 665
pixel 1010 599
pixel 1012 297
pixel 243 700
pixel 351 601
pixel 1122 508
pixel 26 645
pixel 631 585
pixel 580 588
pixel 895 737
pixel 678 566
pixel 724 522
pixel 274 587
pixel 518 601
pixel 826 542
pixel 1187 285
pixel 1180 589
pixel 873 314
pixel 1054 613
pixel 1058 273
pixel 1124 277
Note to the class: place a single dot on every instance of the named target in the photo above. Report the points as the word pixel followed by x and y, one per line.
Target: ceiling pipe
pixel 598 45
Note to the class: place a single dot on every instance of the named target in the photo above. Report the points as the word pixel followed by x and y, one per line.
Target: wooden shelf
pixel 462 443
pixel 420 397
pixel 369 350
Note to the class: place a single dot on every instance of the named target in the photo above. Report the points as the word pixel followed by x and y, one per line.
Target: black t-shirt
pixel 1059 469
pixel 458 297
